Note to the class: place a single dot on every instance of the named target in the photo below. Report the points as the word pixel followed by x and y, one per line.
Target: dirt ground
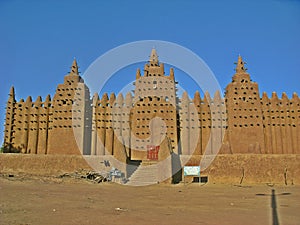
pixel 36 200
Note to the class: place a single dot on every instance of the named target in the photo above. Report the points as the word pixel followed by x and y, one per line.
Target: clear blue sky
pixel 39 39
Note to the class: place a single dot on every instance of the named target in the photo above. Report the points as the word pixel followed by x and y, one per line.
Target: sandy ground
pixel 68 201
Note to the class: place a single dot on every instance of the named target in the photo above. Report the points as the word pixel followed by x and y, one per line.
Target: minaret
pixel 245 124
pixel 154 58
pixel 71 116
pixel 240 65
pixel 74 68
pixel 154 96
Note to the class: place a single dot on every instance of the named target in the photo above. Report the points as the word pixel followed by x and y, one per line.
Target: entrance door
pixel 152 152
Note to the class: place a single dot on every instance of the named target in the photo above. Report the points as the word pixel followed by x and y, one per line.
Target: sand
pixel 42 200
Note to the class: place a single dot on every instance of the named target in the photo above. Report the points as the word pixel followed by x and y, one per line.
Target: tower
pixel 154 116
pixel 245 130
pixel 70 120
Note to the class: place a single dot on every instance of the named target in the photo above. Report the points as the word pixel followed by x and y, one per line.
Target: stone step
pixel 144 175
pixel 141 183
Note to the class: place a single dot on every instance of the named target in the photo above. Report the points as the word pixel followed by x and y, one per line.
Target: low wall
pixel 228 169
pixel 53 165
pixel 251 168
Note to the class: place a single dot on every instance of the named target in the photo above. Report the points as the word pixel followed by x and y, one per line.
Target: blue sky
pixel 39 39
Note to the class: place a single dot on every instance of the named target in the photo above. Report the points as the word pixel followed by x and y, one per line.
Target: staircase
pixel 145 174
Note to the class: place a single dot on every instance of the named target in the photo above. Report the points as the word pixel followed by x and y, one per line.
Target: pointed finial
pixel 120 99
pixel 284 97
pixel 172 73
pixel 12 92
pixel 185 97
pixel 74 68
pixel 128 99
pixel 39 99
pixel 265 95
pixel 138 73
pixel 48 99
pixel 240 65
pixel 197 98
pixel 295 96
pixel 112 98
pixel 95 99
pixel 28 100
pixel 153 57
pixel 104 98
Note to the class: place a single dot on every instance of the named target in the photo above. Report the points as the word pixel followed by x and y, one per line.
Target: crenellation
pixel 184 115
pixel 275 124
pixel 18 123
pixel 109 134
pixel 218 121
pixel 206 123
pixel 33 133
pixel 197 123
pixel 95 123
pixel 126 126
pixel 295 125
pixel 44 126
pixel 265 102
pixel 285 120
pixel 26 124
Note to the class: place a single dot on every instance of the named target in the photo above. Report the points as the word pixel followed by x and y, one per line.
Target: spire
pixel 128 99
pixel 104 99
pixel 120 99
pixel 48 99
pixel 47 102
pixel 38 101
pixel 185 98
pixel 112 99
pixel 240 65
pixel 138 73
pixel 28 101
pixel 153 57
pixel 12 92
pixel 95 99
pixel 197 98
pixel 74 68
pixel 265 96
pixel 172 73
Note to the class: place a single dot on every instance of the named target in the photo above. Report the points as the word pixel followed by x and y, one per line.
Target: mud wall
pixel 227 169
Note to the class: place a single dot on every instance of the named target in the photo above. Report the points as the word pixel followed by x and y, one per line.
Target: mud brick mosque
pixel 154 122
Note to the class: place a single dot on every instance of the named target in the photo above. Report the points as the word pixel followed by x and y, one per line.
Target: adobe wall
pixel 226 169
pixel 55 165
pixel 250 168
pixel 40 164
pixel 281 122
